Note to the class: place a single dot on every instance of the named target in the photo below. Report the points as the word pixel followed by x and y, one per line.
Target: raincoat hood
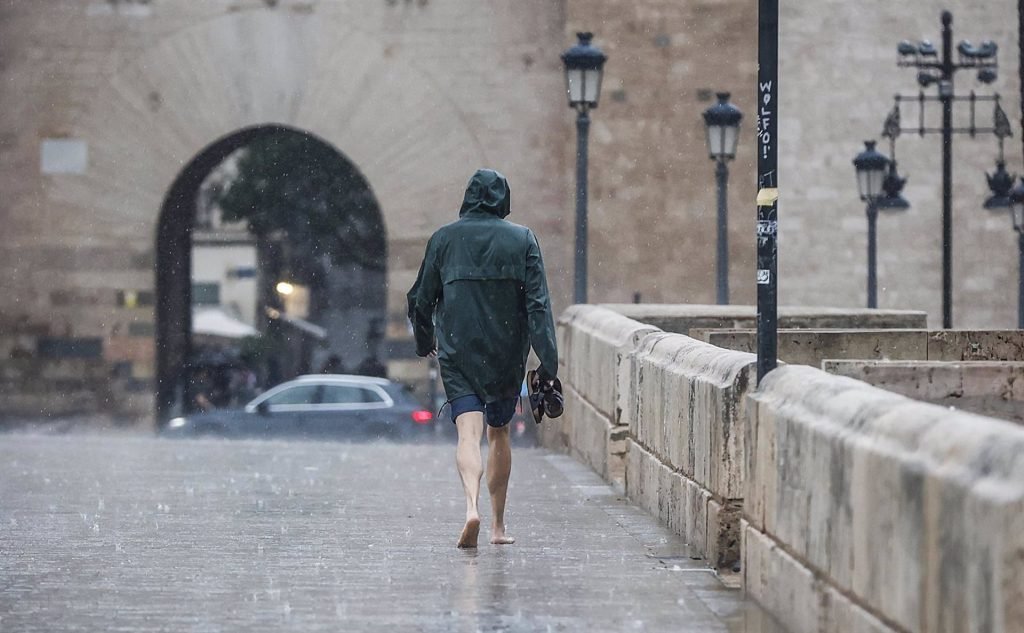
pixel 487 192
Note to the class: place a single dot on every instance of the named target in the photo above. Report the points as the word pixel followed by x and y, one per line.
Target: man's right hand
pixel 541 384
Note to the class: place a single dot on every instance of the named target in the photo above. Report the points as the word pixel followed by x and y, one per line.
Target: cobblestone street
pixel 140 534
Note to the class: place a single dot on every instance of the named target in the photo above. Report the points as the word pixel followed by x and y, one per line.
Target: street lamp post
pixel 938 67
pixel 584 65
pixel 1017 214
pixel 722 122
pixel 872 168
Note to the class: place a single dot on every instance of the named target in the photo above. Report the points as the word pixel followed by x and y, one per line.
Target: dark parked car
pixel 319 406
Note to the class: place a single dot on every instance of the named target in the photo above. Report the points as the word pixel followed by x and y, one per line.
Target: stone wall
pixel 849 508
pixel 686 401
pixel 867 511
pixel 994 389
pixel 811 347
pixel 593 427
pixel 659 413
pixel 681 318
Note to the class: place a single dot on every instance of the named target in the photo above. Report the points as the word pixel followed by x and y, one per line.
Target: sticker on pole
pixel 764 276
pixel 767 196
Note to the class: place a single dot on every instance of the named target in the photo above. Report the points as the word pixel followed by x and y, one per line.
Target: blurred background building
pixel 118 111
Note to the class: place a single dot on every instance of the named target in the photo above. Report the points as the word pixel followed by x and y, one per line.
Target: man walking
pixel 483 278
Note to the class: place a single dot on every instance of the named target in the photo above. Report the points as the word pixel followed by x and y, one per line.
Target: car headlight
pixel 177 423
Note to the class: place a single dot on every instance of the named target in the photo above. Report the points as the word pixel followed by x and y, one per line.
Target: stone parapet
pixel 812 346
pixel 688 400
pixel 907 515
pixel 985 387
pixel 601 339
pixel 594 343
pixel 681 318
pixel 659 413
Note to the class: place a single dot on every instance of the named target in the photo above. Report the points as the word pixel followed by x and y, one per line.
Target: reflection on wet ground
pixel 146 534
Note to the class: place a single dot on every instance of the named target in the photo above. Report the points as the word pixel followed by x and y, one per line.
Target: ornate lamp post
pixel 584 65
pixel 937 66
pixel 1017 213
pixel 722 122
pixel 872 167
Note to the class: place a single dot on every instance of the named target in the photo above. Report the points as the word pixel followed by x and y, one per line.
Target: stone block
pixel 992 388
pixel 588 439
pixel 780 584
pixel 681 318
pixel 696 526
pixel 690 402
pixel 677 494
pixel 958 345
pixel 811 347
pixel 885 494
pixel 911 511
pixel 618 446
pixel 677 501
pixel 759 486
pixel 723 530
pixel 597 340
pixel 843 616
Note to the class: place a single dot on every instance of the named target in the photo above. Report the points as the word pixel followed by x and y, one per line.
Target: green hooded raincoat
pixel 483 278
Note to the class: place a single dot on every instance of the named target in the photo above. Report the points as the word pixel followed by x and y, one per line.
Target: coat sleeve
pixel 538 310
pixel 422 299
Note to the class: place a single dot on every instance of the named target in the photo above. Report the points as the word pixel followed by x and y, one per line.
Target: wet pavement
pixel 139 534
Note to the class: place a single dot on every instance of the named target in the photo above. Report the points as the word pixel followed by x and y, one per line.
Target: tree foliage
pixel 295 184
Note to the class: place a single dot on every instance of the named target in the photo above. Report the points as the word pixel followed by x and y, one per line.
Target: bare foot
pixel 470 532
pixel 498 537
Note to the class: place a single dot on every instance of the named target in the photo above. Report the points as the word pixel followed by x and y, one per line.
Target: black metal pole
pixel 872 255
pixel 722 270
pixel 582 131
pixel 1020 280
pixel 768 192
pixel 946 95
pixel 1020 235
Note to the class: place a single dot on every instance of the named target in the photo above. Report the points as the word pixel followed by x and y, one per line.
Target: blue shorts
pixel 497 414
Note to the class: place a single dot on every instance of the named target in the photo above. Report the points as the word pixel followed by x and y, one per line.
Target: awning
pixel 217 322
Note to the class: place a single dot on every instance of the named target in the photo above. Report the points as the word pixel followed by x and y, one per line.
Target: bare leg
pixel 499 467
pixel 470 463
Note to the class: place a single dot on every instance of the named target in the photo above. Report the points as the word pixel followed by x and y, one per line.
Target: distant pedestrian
pixel 484 278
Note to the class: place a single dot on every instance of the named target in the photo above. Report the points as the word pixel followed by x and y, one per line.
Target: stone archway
pixel 147 121
pixel 174 263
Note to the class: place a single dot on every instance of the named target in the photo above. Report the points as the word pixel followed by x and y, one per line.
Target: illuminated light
pixel 285 288
pixel 422 416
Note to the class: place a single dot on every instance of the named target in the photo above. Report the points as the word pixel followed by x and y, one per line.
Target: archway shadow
pixel 174 341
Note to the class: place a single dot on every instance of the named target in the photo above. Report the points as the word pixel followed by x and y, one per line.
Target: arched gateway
pixel 354 297
pixel 136 102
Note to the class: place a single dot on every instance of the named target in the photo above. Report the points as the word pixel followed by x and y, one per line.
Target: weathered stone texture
pixel 598 340
pixel 811 347
pixel 681 318
pixel 908 509
pixel 995 389
pixel 689 397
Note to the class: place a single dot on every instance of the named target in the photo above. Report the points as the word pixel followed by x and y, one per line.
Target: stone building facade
pixel 108 101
